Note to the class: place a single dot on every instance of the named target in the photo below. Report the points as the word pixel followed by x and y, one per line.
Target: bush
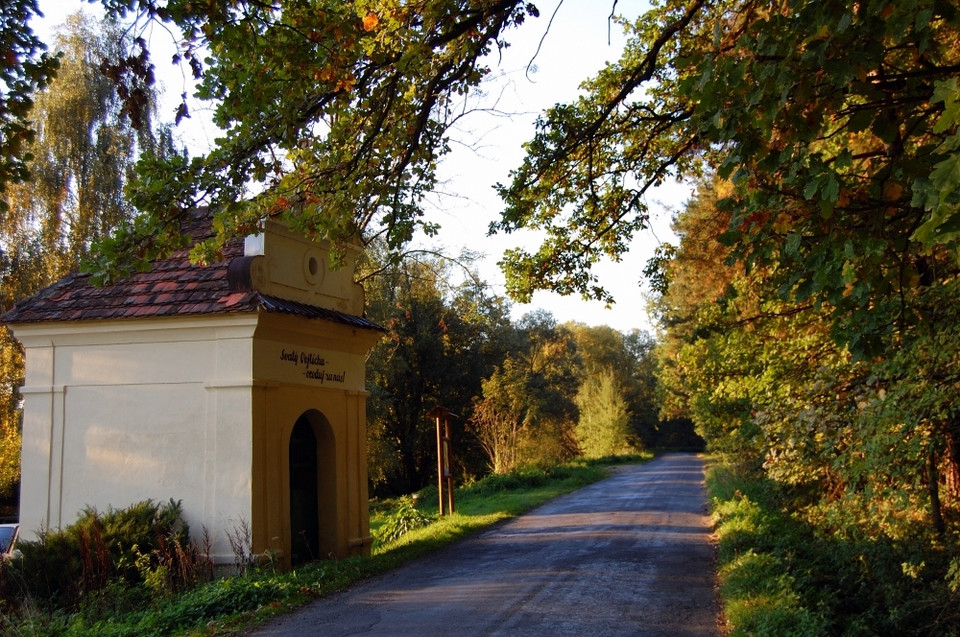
pixel 782 575
pixel 404 519
pixel 146 543
pixel 523 478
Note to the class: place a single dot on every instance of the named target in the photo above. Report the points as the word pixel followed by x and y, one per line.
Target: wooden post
pixel 444 465
pixel 440 467
pixel 447 467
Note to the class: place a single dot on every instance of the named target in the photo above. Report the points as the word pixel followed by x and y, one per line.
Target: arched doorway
pixel 313 514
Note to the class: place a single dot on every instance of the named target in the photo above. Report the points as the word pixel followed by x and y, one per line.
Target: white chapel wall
pixel 119 412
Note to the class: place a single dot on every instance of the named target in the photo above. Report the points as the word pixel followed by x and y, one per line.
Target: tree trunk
pixel 952 477
pixel 933 486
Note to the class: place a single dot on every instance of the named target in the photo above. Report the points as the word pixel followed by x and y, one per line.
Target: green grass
pixel 759 593
pixel 228 606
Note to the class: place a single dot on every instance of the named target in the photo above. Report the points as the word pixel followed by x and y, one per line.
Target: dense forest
pixel 807 317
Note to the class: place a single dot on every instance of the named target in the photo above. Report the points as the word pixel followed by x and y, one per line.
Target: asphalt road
pixel 630 555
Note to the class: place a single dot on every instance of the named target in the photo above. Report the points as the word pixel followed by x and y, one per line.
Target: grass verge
pixel 230 605
pixel 760 594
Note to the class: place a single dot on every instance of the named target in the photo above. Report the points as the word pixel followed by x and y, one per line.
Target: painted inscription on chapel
pixel 301 364
pixel 313 366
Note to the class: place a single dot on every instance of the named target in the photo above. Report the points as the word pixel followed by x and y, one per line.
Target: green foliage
pixel 629 358
pixel 938 193
pixel 501 417
pixel 868 444
pixel 510 384
pixel 844 517
pixel 11 375
pixel 223 597
pixel 146 542
pixel 591 161
pixel 781 575
pixel 404 518
pixel 563 390
pixel 841 165
pixel 525 477
pixel 79 160
pixel 192 610
pixel 525 414
pixel 441 339
pixel 334 112
pixel 27 68
pixel 763 600
pixel 602 427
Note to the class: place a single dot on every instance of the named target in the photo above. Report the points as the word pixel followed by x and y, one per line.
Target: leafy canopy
pixel 836 121
pixel 334 114
pixel 26 68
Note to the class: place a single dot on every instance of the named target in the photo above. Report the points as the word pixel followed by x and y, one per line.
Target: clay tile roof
pixel 173 287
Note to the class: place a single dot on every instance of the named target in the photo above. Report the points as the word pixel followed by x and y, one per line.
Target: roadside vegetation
pixel 134 571
pixel 781 573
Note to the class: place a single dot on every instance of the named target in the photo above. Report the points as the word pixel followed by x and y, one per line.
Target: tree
pixel 602 429
pixel 11 377
pixel 406 371
pixel 629 359
pixel 866 441
pixel 83 153
pixel 27 68
pixel 526 414
pixel 78 161
pixel 440 342
pixel 554 362
pixel 501 415
pixel 334 114
pixel 853 119
pixel 643 395
pixel 851 125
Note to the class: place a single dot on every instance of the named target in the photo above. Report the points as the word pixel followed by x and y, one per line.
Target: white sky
pixel 577 45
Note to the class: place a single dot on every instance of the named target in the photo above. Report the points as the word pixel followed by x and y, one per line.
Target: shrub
pixel 144 543
pixel 523 477
pixel 788 572
pixel 404 519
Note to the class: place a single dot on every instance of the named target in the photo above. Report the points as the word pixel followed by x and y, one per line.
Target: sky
pixel 488 144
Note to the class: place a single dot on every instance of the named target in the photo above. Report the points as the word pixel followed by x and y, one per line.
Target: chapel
pixel 235 388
